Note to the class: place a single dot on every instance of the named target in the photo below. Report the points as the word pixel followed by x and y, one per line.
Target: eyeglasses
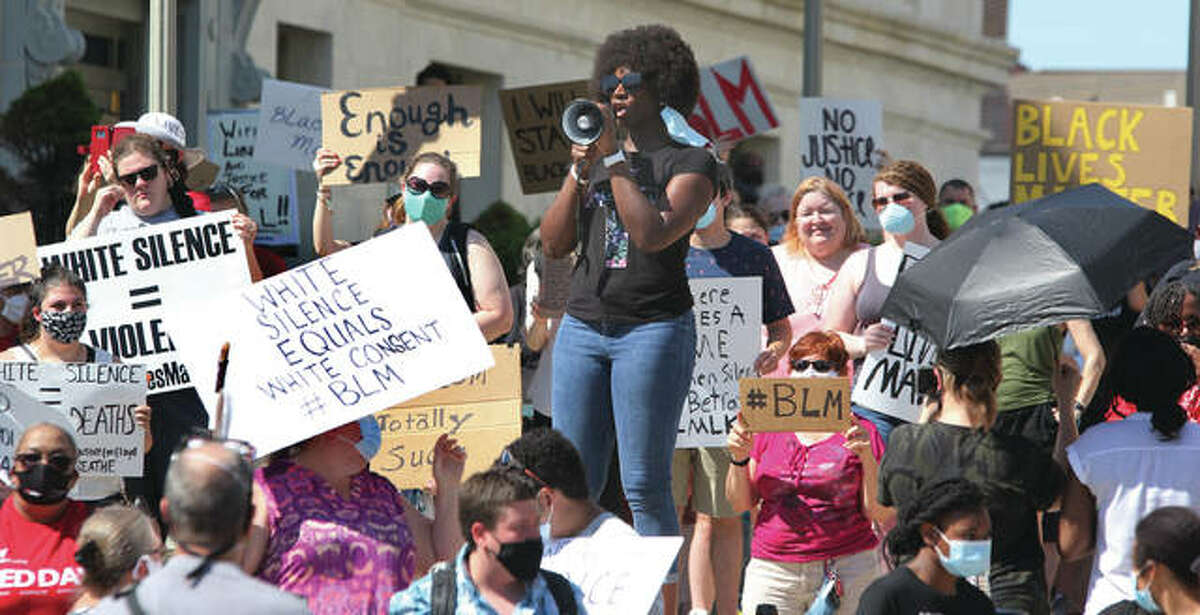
pixel 899 197
pixel 59 461
pixel 148 174
pixel 821 365
pixel 632 82
pixel 509 460
pixel 416 185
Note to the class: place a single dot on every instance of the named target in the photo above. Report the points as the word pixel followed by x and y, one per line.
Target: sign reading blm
pixel 269 190
pixel 377 132
pixel 733 103
pixel 534 119
pixel 841 140
pixel 1137 151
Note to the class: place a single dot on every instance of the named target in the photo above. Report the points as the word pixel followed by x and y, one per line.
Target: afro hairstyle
pixel 660 55
pixel 553 459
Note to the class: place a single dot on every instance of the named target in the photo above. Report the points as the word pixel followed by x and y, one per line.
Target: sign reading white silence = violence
pixel 333 340
pixel 134 277
pixel 97 400
pixel 269 191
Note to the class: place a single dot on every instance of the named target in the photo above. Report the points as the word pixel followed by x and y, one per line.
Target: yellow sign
pixel 795 404
pixel 534 119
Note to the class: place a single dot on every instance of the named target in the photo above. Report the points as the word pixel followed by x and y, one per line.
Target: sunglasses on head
pixel 820 365
pixel 147 174
pixel 508 460
pixel 59 461
pixel 632 82
pixel 439 189
pixel 899 197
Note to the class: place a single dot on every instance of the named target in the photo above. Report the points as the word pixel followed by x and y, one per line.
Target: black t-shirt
pixel 902 593
pixel 613 280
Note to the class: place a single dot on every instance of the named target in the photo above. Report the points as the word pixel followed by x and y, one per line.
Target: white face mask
pixel 545 528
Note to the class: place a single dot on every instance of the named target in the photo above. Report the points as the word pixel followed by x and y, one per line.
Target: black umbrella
pixel 1069 255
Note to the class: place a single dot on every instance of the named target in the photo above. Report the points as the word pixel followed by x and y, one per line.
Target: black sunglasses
pixel 820 365
pixel 59 461
pixel 416 185
pixel 147 174
pixel 895 198
pixel 508 460
pixel 632 82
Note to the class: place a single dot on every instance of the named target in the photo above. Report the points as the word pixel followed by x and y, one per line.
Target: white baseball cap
pixel 164 127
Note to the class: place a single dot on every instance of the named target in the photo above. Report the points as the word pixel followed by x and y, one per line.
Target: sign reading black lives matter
pixel 269 190
pixel 728 314
pixel 333 340
pixel 841 140
pixel 97 399
pixel 134 277
pixel 887 381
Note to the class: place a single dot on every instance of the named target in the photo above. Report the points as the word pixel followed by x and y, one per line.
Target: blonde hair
pixel 829 188
pixel 110 543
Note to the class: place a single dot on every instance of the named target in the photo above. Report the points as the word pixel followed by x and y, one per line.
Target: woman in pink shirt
pixel 817 494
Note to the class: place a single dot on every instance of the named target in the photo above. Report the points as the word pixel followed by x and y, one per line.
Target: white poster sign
pixel 887 381
pixel 133 277
pixel 269 190
pixel 97 399
pixel 841 139
pixel 728 315
pixel 334 340
pixel 617 575
pixel 289 124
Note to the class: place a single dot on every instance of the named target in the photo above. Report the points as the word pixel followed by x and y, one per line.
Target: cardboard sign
pixel 134 277
pixel 1139 152
pixel 483 412
pixel 887 380
pixel 289 124
pixel 728 315
pixel 840 140
pixel 732 104
pixel 534 119
pixel 333 340
pixel 796 404
pixel 377 132
pixel 98 399
pixel 18 250
pixel 269 191
pixel 617 575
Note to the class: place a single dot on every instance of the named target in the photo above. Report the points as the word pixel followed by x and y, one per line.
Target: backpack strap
pixel 443 593
pixel 560 589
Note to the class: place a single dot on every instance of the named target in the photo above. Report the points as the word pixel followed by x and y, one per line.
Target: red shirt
pixel 1189 401
pixel 38 573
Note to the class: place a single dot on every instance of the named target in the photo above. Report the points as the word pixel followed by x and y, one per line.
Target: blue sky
pixel 1100 34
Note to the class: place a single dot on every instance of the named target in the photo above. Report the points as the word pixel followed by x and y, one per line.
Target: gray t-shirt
pixel 225 590
pixel 124 219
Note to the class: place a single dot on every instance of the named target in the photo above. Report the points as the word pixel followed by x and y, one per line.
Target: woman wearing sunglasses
pixel 817 494
pixel 429 194
pixel 904 198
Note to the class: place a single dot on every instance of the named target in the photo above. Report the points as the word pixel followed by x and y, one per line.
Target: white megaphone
pixel 582 121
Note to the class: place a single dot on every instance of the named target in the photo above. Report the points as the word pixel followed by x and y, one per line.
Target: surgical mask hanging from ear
pixel 1143 597
pixel 679 129
pixel 546 526
pixel 372 437
pixel 709 216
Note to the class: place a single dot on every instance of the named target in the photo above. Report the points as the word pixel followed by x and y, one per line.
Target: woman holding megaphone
pixel 625 349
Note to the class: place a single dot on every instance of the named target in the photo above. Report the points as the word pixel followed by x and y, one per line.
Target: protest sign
pixel 483 412
pixel 1133 150
pixel 887 380
pixel 795 404
pixel 732 103
pixel 617 575
pixel 19 411
pixel 97 399
pixel 269 191
pixel 533 116
pixel 289 124
pixel 377 132
pixel 841 139
pixel 728 314
pixel 18 250
pixel 333 340
pixel 134 277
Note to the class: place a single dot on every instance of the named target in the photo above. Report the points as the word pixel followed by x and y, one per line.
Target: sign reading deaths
pixel 534 119
pixel 1132 150
pixel 98 399
pixel 133 277
pixel 333 340
pixel 269 191
pixel 377 132
pixel 483 412
pixel 728 314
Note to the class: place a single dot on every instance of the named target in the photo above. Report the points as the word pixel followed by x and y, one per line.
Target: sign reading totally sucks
pixel 134 277
pixel 269 190
pixel 728 314
pixel 377 132
pixel 534 119
pixel 334 340
pixel 733 103
pixel 840 140
pixel 1139 152
pixel 18 250
pixel 289 124
pixel 98 399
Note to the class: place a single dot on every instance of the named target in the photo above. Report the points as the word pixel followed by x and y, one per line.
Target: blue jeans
pixel 884 423
pixel 626 383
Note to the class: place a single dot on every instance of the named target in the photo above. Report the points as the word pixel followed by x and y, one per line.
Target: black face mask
pixel 43 484
pixel 521 559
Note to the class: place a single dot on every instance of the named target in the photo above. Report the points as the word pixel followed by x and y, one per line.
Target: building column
pixel 160 91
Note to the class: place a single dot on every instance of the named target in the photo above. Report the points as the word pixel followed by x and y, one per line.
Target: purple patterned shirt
pixel 343 555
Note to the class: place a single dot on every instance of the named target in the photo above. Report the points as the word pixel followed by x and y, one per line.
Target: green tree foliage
pixel 506 229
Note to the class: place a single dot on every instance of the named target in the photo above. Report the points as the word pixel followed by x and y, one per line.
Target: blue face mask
pixel 967 558
pixel 425 207
pixel 372 437
pixel 679 129
pixel 1143 597
pixel 709 216
pixel 897 219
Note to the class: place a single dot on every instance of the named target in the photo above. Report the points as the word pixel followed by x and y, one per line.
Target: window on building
pixel 304 56
pixel 113 63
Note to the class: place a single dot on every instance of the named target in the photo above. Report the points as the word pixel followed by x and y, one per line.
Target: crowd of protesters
pixel 992 502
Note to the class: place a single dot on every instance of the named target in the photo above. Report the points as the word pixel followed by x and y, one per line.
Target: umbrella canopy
pixel 1069 255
